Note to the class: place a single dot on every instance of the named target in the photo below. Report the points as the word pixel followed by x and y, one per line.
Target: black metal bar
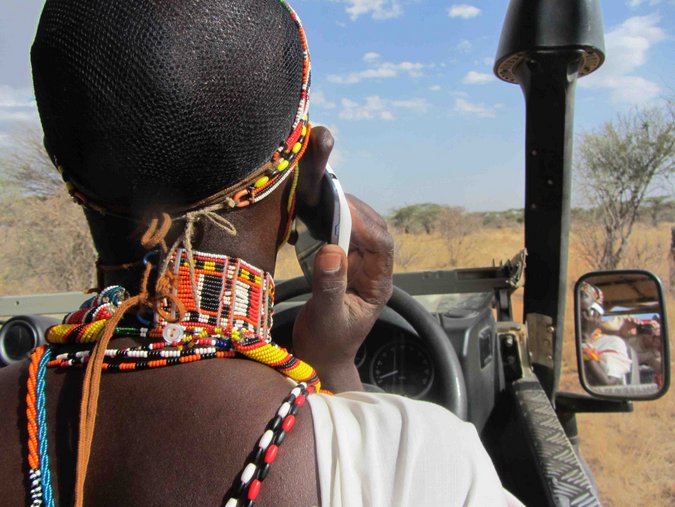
pixel 573 403
pixel 548 80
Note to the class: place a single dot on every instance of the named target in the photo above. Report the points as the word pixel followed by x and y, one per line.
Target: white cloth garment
pixel 613 354
pixel 382 450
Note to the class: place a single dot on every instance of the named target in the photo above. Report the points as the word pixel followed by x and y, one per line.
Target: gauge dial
pixel 402 367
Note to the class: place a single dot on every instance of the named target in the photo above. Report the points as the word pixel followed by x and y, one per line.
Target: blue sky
pixel 407 88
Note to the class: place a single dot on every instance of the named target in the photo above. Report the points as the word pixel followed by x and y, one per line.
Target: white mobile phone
pixel 328 222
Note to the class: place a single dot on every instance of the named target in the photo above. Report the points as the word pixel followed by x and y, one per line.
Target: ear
pixel 313 165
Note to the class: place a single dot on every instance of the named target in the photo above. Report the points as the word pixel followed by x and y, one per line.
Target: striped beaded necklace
pixel 230 315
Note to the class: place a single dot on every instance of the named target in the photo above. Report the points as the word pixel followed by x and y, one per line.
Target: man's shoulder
pixel 396 451
pixel 382 416
pixel 613 341
pixel 388 404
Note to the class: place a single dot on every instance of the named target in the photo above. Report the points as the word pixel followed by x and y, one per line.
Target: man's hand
pixel 348 293
pixel 620 326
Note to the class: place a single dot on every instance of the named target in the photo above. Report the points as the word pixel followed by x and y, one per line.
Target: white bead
pixel 248 472
pixel 296 392
pixel 232 502
pixel 284 409
pixel 266 439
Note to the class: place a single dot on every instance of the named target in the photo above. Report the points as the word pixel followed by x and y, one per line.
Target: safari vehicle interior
pixel 450 337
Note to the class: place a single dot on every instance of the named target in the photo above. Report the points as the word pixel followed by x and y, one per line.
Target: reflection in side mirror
pixel 622 335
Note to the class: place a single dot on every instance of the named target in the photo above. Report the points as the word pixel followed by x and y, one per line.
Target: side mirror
pixel 622 335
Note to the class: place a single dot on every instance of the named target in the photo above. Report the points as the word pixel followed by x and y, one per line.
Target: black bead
pixel 249 503
pixel 291 399
pixel 264 470
pixel 238 489
pixel 280 438
pixel 257 455
pixel 294 409
pixel 275 423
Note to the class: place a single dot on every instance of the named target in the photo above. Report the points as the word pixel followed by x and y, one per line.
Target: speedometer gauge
pixel 402 367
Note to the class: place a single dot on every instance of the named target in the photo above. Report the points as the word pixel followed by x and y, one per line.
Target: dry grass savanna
pixel 632 455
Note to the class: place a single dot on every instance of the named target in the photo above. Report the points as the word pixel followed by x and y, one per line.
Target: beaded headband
pixel 263 180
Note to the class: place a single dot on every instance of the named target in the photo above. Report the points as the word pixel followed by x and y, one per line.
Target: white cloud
pixel 463 106
pixel 488 60
pixel 472 77
pixel 381 70
pixel 627 47
pixel 417 105
pixel 464 46
pixel 637 3
pixel 635 90
pixel 378 9
pixel 17 104
pixel 435 88
pixel 377 108
pixel 464 11
pixel 371 56
pixel 318 99
pixel 6 115
pixel 11 97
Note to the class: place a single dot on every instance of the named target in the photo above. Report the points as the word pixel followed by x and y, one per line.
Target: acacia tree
pixel 416 218
pixel 455 226
pixel 617 165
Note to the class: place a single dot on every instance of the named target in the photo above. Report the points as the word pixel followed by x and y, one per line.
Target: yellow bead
pixel 261 181
pixel 282 165
pixel 304 131
pixel 297 147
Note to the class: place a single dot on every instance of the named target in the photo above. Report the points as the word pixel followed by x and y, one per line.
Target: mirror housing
pixel 622 335
pixel 533 26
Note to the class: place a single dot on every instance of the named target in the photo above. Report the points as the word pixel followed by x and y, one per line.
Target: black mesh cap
pixel 165 102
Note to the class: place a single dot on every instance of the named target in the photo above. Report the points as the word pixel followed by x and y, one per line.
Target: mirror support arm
pixel 572 403
pixel 548 79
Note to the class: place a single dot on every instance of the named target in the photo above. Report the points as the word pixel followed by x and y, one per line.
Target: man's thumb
pixel 329 284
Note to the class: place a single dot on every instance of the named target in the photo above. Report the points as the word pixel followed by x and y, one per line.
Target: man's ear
pixel 313 165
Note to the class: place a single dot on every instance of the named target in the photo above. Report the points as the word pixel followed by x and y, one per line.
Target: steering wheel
pixel 448 369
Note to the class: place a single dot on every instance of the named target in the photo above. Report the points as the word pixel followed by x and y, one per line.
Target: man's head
pixel 591 299
pixel 161 104
pixel 650 335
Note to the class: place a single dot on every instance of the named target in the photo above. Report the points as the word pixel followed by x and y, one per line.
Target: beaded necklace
pixel 230 314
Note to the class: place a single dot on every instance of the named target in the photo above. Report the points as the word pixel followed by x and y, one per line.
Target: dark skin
pixel 180 435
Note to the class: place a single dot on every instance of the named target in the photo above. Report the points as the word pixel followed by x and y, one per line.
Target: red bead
pixel 288 423
pixel 300 400
pixel 271 453
pixel 254 489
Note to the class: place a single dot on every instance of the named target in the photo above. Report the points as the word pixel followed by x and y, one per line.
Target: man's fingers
pixel 371 255
pixel 357 206
pixel 329 280
pixel 313 165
